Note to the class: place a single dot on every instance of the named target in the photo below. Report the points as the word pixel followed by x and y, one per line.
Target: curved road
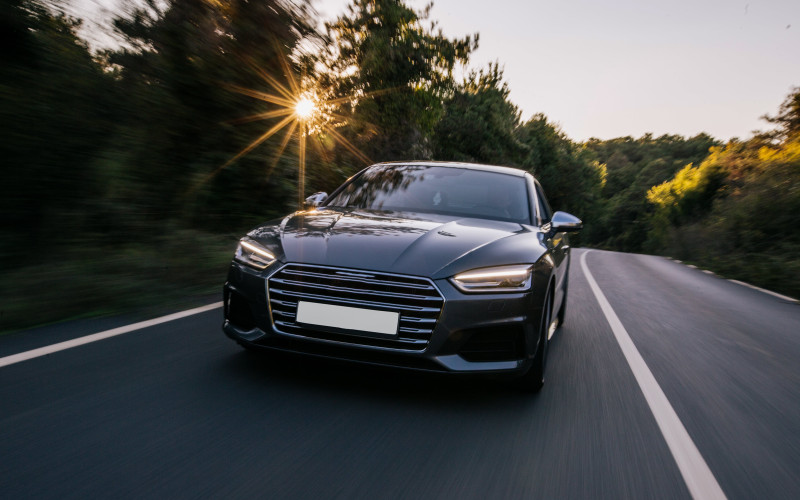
pixel 178 410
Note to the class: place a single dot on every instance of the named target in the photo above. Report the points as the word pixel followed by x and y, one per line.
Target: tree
pixel 397 70
pixel 737 211
pixel 691 191
pixel 788 117
pixel 56 115
pixel 184 60
pixel 633 167
pixel 479 122
pixel 569 175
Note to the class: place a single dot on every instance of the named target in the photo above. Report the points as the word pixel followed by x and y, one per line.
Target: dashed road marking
pixel 748 285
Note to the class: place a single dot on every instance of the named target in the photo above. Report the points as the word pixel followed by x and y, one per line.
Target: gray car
pixel 448 267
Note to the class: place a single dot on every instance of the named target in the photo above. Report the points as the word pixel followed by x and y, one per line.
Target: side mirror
pixel 562 222
pixel 315 200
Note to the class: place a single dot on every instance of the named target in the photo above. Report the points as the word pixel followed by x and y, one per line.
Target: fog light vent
pixel 238 312
pixel 494 344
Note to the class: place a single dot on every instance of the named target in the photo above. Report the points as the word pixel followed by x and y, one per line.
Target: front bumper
pixel 476 333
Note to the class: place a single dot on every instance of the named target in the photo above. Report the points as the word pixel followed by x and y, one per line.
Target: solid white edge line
pixel 68 344
pixel 698 477
pixel 748 285
pixel 769 292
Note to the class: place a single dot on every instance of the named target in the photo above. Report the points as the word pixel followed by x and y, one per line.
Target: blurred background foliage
pixel 117 189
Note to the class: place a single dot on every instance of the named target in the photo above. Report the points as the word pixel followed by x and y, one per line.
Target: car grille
pixel 416 299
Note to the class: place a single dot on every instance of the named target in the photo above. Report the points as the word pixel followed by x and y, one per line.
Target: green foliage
pixel 648 160
pixel 691 191
pixel 738 212
pixel 107 157
pixel 180 107
pixel 16 34
pixel 397 69
pixel 56 115
pixel 625 217
pixel 89 278
pixel 571 177
pixel 479 123
pixel 788 117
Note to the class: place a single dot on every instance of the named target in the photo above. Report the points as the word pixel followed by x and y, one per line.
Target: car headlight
pixel 516 278
pixel 252 254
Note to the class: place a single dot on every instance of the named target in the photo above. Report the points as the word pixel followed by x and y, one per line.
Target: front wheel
pixel 533 380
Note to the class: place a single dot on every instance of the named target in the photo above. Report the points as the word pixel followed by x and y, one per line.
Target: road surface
pixel 177 410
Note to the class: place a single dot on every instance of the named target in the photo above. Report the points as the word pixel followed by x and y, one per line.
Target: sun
pixel 303 112
pixel 305 108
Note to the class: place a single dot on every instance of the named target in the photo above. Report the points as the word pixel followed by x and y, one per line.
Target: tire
pixel 533 380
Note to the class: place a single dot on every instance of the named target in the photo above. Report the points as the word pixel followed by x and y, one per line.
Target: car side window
pixel 544 207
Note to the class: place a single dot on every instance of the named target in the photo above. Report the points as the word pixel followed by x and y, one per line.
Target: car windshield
pixel 442 190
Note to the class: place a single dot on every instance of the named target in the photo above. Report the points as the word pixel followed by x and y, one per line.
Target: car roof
pixel 457 164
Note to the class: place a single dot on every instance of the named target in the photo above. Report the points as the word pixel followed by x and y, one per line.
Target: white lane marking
pixel 42 351
pixel 774 294
pixel 695 471
pixel 748 285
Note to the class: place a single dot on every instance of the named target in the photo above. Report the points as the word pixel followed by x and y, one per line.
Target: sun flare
pixel 305 107
pixel 303 114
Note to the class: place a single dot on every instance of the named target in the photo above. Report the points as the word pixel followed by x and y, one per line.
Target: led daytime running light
pixel 514 278
pixel 257 250
pixel 253 255
pixel 471 275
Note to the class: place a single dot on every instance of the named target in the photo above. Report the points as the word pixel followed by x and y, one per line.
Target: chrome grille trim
pixel 388 306
pixel 330 288
pixel 417 300
pixel 345 277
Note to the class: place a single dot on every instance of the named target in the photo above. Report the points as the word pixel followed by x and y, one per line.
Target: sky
pixel 614 68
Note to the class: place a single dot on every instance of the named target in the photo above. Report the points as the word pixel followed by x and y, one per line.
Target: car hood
pixel 418 244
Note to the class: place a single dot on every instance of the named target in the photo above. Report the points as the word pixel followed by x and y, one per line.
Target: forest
pixel 128 174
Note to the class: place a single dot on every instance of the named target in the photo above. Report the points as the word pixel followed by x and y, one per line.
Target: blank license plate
pixel 348 318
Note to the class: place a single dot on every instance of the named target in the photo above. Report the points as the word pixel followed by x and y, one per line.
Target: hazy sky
pixel 613 68
pixel 625 67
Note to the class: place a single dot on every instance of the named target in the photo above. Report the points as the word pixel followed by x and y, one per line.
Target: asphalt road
pixel 178 410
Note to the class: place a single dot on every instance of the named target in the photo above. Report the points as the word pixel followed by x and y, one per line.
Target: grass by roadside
pixel 86 280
